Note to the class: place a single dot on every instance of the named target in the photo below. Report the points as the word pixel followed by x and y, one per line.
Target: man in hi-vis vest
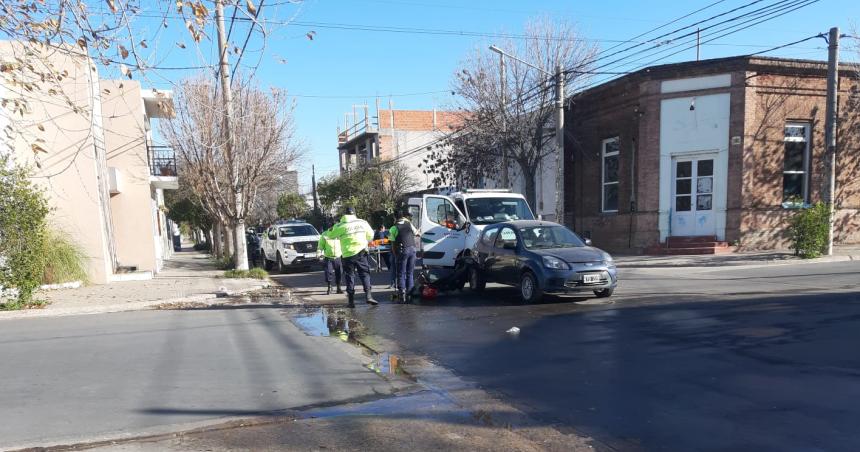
pixel 354 235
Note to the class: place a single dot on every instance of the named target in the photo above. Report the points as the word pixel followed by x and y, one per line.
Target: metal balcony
pixel 162 161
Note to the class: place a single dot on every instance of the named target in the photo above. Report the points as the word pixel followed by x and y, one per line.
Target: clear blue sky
pixel 355 65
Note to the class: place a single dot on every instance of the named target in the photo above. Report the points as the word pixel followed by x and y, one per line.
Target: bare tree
pixel 511 124
pixel 263 147
pixel 46 36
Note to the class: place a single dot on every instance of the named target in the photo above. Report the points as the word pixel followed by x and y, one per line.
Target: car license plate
pixel 593 278
pixel 310 255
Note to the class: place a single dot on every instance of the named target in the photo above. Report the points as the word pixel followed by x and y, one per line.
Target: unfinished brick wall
pixel 420 120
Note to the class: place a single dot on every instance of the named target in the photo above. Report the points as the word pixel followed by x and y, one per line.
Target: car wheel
pixel 476 281
pixel 605 293
pixel 267 264
pixel 529 290
pixel 280 263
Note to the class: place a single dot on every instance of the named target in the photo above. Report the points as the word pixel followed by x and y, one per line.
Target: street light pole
pixel 559 142
pixel 504 89
pixel 559 127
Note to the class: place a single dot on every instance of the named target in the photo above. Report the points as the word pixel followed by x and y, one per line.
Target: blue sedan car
pixel 540 257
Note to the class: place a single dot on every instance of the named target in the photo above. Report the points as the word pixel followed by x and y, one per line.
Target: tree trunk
pixel 217 247
pixel 528 174
pixel 241 257
pixel 229 248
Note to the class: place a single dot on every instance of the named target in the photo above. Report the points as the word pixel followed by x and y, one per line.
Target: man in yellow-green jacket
pixel 331 260
pixel 354 235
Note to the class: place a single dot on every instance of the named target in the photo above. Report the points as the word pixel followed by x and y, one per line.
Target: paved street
pixel 80 378
pixel 759 358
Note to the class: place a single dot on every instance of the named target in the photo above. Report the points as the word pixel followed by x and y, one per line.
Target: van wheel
pixel 529 290
pixel 476 281
pixel 267 264
pixel 605 293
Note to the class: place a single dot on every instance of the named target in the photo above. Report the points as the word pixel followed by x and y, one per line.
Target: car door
pixel 484 251
pixel 505 256
pixel 442 238
pixel 271 243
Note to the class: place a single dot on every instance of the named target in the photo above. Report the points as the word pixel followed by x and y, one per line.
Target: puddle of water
pixel 388 364
pixel 333 322
pixel 328 322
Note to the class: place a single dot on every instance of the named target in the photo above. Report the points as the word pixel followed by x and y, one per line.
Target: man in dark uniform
pixel 403 243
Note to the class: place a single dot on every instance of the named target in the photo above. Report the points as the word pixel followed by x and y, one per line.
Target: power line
pixel 819 35
pixel 345 96
pixel 758 19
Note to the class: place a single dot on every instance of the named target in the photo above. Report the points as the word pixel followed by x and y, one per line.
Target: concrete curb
pixel 645 264
pixel 124 307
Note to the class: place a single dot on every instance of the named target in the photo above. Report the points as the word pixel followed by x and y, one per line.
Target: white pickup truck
pixel 451 225
pixel 291 244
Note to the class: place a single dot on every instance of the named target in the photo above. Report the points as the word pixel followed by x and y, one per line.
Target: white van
pixel 451 225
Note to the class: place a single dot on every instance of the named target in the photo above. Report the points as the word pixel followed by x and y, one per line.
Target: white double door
pixel 693 189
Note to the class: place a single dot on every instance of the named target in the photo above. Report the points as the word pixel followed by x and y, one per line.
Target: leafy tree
pixel 374 190
pixel 292 205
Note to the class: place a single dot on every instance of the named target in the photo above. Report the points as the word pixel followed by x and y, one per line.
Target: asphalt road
pixel 713 359
pixel 70 379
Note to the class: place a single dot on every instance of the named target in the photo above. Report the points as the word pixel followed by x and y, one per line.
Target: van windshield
pixel 495 210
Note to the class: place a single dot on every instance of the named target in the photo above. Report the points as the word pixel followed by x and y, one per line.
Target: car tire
pixel 604 293
pixel 267 264
pixel 476 281
pixel 529 290
pixel 279 262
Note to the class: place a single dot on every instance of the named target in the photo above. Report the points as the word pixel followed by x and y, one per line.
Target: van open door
pixel 442 235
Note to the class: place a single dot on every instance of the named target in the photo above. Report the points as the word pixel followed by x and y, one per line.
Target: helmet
pixel 350 210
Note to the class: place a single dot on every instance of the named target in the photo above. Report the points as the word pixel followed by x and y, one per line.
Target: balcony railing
pixel 162 160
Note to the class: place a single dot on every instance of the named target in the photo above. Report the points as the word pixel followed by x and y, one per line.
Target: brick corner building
pixel 720 152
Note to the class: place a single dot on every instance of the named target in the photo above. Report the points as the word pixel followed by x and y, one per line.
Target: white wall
pixel 410 145
pixel 683 131
pixel 545 185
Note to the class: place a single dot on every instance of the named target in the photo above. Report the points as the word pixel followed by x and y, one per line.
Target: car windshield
pixel 495 210
pixel 297 231
pixel 543 237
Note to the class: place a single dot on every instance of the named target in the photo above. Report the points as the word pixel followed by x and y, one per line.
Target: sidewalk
pixel 750 258
pixel 188 277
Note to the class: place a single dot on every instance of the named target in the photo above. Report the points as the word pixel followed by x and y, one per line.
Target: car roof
pixel 486 194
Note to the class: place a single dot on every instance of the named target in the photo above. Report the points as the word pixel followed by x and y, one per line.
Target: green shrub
pixel 65 262
pixel 809 229
pixel 224 263
pixel 254 273
pixel 23 210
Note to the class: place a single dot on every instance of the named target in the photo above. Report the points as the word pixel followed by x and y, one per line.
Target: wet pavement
pixel 744 359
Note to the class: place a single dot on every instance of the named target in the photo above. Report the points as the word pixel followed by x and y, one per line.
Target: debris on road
pixel 513 330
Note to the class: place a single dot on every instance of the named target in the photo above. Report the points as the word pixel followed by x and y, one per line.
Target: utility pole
pixel 559 142
pixel 697 44
pixel 504 89
pixel 830 119
pixel 241 257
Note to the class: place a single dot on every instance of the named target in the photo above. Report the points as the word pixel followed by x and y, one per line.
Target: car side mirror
pixel 587 242
pixel 510 245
